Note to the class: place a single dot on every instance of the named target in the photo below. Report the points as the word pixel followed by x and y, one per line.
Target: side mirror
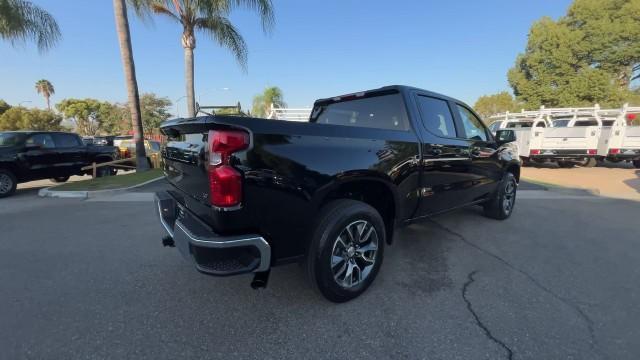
pixel 505 136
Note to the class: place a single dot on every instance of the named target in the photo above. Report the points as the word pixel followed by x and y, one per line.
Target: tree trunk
pixel 124 37
pixel 189 43
pixel 46 98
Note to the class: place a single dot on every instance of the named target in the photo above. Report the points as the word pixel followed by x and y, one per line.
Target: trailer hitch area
pixel 168 241
pixel 260 280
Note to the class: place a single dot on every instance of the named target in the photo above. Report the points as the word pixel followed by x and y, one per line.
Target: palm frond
pixel 144 8
pixel 21 21
pixel 226 35
pixel 264 8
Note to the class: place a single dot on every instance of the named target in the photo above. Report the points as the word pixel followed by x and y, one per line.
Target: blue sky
pixel 317 49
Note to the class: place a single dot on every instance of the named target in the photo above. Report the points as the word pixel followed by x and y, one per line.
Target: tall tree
pixel 262 103
pixel 86 114
pixel 488 105
pixel 155 110
pixel 210 17
pixel 126 53
pixel 45 88
pixel 21 21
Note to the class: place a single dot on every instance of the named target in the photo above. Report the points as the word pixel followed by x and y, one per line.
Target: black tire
pixel 589 163
pixel 525 161
pixel 8 183
pixel 331 237
pixel 496 207
pixel 61 179
pixel 103 171
pixel 636 163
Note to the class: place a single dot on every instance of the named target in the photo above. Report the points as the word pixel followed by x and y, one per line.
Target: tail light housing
pixel 614 151
pixel 534 152
pixel 225 182
pixel 592 152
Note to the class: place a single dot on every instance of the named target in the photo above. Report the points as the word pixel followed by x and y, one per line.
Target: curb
pixel 51 192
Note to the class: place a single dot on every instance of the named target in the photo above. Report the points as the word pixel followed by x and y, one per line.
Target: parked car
pixel 249 194
pixel 119 139
pixel 103 140
pixel 152 148
pixel 36 155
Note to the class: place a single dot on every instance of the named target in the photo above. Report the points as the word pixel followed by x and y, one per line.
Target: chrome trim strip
pixel 447 159
pixel 259 242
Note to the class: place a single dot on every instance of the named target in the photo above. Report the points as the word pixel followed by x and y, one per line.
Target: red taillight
pixel 534 152
pixel 631 117
pixel 592 152
pixel 614 151
pixel 225 182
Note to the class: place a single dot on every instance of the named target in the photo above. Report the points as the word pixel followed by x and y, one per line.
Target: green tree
pixel 155 110
pixel 488 105
pixel 262 102
pixel 20 118
pixel 114 118
pixel 4 106
pixel 45 88
pixel 610 31
pixel 86 114
pixel 21 21
pixel 211 18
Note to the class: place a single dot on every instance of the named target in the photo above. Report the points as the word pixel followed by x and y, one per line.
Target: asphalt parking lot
pixel 559 280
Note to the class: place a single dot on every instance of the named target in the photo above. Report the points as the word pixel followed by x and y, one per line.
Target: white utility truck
pixel 524 124
pixel 619 140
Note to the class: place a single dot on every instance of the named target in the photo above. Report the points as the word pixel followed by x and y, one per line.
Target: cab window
pixel 436 116
pixel 66 140
pixel 45 141
pixel 473 127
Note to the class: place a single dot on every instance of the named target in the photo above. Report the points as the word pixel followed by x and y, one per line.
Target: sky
pixel 317 49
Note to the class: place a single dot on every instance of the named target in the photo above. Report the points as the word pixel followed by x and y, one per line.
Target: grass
pixel 111 182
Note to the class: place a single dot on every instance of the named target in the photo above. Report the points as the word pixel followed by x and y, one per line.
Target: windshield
pixel 561 123
pixel 519 124
pixel 10 139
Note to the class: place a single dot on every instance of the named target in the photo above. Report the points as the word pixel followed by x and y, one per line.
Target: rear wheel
pixel 60 179
pixel 8 183
pixel 346 249
pixel 590 162
pixel 501 205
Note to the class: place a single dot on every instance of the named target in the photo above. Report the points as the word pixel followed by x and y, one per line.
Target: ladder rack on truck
pixel 523 124
pixel 291 114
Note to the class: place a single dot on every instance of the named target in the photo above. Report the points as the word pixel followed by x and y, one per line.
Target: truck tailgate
pixel 631 139
pixel 570 138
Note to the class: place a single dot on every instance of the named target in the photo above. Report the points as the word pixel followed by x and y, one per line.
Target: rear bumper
pixel 565 154
pixel 625 154
pixel 209 252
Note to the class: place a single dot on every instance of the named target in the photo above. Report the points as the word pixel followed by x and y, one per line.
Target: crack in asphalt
pixel 479 322
pixel 566 302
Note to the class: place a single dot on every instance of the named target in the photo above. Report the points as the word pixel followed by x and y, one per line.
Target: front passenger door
pixel 485 167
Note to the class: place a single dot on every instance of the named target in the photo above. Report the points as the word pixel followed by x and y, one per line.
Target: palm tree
pixel 270 97
pixel 21 21
pixel 45 88
pixel 210 17
pixel 126 53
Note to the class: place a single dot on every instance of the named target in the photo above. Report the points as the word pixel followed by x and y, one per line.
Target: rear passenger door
pixel 484 167
pixel 40 156
pixel 71 154
pixel 445 176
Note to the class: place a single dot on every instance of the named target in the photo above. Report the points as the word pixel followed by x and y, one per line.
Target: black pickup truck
pixel 248 194
pixel 36 155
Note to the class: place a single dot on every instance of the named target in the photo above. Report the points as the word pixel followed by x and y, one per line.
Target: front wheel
pixel 346 249
pixel 60 179
pixel 8 183
pixel 501 205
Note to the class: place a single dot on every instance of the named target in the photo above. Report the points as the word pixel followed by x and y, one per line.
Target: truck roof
pixel 389 88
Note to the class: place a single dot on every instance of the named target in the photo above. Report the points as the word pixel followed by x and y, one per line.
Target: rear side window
pixel 45 141
pixel 66 140
pixel 436 116
pixel 473 127
pixel 380 112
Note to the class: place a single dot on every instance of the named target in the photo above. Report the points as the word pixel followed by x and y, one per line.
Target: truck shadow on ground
pixel 634 183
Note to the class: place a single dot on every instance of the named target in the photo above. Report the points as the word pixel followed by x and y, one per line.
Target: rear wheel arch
pixel 374 192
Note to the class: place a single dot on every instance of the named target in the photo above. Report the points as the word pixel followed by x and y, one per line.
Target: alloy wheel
pixel 354 253
pixel 509 197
